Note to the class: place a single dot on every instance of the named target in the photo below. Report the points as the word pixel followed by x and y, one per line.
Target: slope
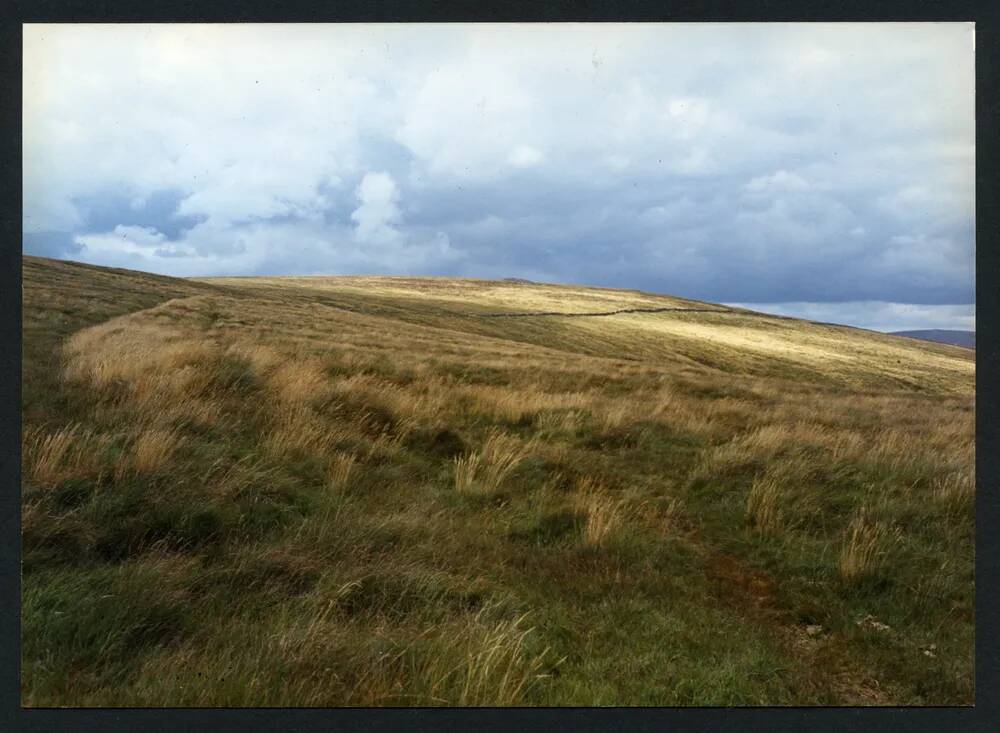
pixel 366 491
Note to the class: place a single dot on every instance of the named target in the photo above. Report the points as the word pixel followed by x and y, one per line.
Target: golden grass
pixel 299 431
pixel 339 471
pixel 247 477
pixel 604 513
pixel 866 545
pixel 409 407
pixel 497 668
pixel 479 661
pixel 956 493
pixel 51 458
pixel 299 381
pixel 494 296
pixel 764 511
pixel 153 449
pixel 483 471
pixel 617 414
pixel 262 359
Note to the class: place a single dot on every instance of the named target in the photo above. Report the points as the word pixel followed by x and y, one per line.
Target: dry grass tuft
pixel 262 359
pixel 300 431
pixel 516 404
pixel 153 448
pixel 604 513
pixel 481 661
pixel 764 512
pixel 339 471
pixel 466 470
pixel 866 546
pixel 72 452
pixel 482 472
pixel 618 414
pixel 497 668
pixel 299 381
pixel 956 493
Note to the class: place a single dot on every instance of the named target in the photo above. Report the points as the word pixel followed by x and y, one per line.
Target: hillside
pixel 942 336
pixel 423 491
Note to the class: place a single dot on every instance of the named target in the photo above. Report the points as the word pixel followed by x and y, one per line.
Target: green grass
pixel 240 568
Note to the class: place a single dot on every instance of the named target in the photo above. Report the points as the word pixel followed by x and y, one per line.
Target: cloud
pixel 778 182
pixel 378 211
pixel 876 315
pixel 525 156
pixel 753 163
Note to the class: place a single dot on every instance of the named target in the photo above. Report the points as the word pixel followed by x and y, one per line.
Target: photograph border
pixel 983 716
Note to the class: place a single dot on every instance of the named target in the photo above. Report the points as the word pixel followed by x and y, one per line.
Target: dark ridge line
pixel 604 313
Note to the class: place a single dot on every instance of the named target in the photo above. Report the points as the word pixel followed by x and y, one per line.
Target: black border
pixel 984 716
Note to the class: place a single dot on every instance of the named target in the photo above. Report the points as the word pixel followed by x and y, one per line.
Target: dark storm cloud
pixel 104 211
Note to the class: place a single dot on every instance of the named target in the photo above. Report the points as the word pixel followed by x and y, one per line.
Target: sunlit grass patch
pixel 865 547
pixel 340 469
pixel 483 471
pixel 72 452
pixel 764 511
pixel 955 493
pixel 483 660
pixel 153 449
pixel 603 512
pixel 299 381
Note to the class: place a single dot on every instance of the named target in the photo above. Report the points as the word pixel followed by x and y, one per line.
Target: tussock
pixel 764 512
pixel 51 458
pixel 955 493
pixel 339 471
pixel 865 547
pixel 483 661
pixel 299 381
pixel 514 405
pixel 300 431
pixel 604 513
pixel 153 449
pixel 482 472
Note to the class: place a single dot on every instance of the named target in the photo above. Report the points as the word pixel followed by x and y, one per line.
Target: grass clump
pixel 865 548
pixel 955 493
pixel 483 471
pixel 603 514
pixel 764 513
pixel 484 660
pixel 339 472
pixel 153 449
pixel 69 453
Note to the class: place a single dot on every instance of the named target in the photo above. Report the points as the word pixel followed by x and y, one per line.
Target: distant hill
pixel 943 336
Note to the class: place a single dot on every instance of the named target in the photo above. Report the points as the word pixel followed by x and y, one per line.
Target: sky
pixel 824 171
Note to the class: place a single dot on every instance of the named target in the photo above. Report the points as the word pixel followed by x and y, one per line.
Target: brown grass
pixel 661 444
pixel 764 513
pixel 604 513
pixel 481 661
pixel 483 471
pixel 956 493
pixel 866 545
pixel 153 449
pixel 51 458
pixel 298 431
pixel 299 381
pixel 340 470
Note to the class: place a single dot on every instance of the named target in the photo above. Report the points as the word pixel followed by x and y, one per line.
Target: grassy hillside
pixel 403 491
